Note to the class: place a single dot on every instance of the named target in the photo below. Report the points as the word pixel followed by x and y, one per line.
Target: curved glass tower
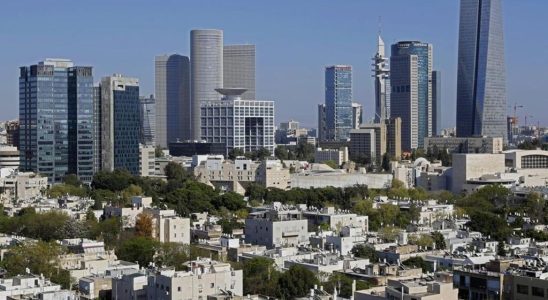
pixel 481 81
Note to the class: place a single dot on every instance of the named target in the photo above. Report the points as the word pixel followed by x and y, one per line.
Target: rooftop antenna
pixel 379 26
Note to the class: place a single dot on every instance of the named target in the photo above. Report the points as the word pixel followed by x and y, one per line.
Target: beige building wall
pixel 467 166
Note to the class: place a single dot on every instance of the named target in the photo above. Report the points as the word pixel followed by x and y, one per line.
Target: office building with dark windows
pixel 173 106
pixel 120 124
pixel 147 113
pixel 481 76
pixel 338 102
pixel 56 120
pixel 411 91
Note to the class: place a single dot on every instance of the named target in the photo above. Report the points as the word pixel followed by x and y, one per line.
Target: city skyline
pixel 277 68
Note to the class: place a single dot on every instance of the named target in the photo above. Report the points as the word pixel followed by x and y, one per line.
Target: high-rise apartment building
pixel 322 127
pixel 411 91
pixel 120 124
pixel 206 65
pixel 357 113
pixel 382 83
pixel 173 102
pixel 56 119
pixel 238 123
pixel 393 137
pixel 436 102
pixel 338 102
pixel 481 77
pixel 12 133
pixel 239 68
pixel 372 141
pixel 147 113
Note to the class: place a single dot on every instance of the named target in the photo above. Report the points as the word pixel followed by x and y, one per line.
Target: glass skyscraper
pixel 120 124
pixel 481 77
pixel 411 95
pixel 173 106
pixel 148 120
pixel 56 120
pixel 338 102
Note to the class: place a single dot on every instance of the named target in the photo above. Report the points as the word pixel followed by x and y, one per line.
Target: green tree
pixel 439 240
pixel 158 152
pixel 501 248
pixel 235 152
pixel 62 189
pixel 255 191
pixel 40 257
pixel 424 241
pixel 386 162
pixel 230 200
pixel 343 284
pixel 173 255
pixel 263 153
pixel 137 249
pixel 365 251
pixel 113 181
pixel 389 233
pixel 72 179
pixel 260 276
pixel 175 171
pixel 281 152
pixel 418 262
pixel 295 282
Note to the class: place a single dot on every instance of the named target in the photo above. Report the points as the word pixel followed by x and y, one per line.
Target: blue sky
pixel 295 40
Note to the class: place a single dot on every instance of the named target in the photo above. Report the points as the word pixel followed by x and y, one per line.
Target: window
pixel 212 285
pixel 522 289
pixel 537 291
pixel 178 289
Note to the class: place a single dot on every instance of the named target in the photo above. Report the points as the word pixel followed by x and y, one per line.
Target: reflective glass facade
pixel 481 78
pixel 56 117
pixel 120 124
pixel 338 102
pixel 411 94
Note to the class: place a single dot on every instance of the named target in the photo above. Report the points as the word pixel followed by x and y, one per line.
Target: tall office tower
pixel 120 124
pixel 436 102
pixel 206 71
pixel 239 68
pixel 382 83
pixel 377 131
pixel 97 163
pixel 173 105
pixel 322 129
pixel 338 102
pixel 147 113
pixel 411 94
pixel 56 119
pixel 357 113
pixel 244 124
pixel 12 133
pixel 481 77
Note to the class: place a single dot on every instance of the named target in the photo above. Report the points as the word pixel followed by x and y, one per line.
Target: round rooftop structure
pixel 231 91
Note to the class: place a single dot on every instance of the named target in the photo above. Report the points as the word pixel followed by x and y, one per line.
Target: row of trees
pixel 262 277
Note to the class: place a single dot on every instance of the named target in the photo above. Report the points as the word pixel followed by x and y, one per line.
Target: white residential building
pixel 167 227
